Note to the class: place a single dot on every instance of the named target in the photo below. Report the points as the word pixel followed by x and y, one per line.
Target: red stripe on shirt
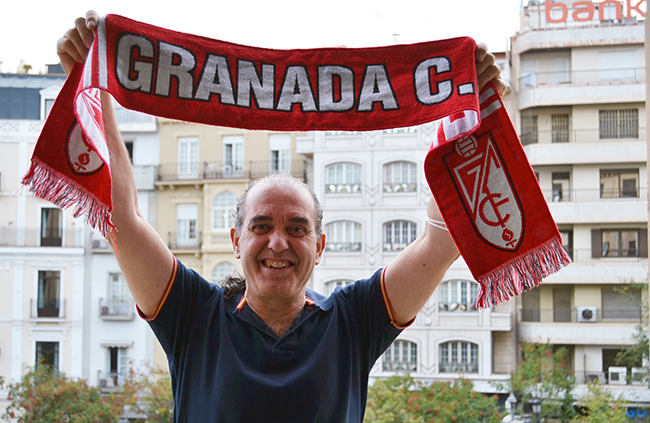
pixel 170 284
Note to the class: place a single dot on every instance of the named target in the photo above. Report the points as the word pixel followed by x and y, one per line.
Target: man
pixel 273 351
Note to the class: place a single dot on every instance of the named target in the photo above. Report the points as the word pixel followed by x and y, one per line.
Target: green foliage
pixel 153 390
pixel 400 399
pixel 544 374
pixel 637 355
pixel 46 395
pixel 599 406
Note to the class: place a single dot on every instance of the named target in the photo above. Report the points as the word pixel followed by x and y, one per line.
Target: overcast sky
pixel 29 29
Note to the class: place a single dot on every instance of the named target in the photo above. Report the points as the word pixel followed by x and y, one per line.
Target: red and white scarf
pixel 476 167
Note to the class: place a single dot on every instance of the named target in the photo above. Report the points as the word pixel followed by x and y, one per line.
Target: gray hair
pixel 235 283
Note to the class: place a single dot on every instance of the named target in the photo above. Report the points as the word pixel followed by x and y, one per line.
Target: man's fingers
pixel 490 73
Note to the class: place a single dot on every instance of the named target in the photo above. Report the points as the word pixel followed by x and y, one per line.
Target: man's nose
pixel 278 240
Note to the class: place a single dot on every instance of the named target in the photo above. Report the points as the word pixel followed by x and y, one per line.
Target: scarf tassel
pixel 54 187
pixel 521 274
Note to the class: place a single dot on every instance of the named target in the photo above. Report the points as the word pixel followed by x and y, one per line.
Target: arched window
pixel 221 207
pixel 343 178
pixel 222 270
pixel 343 236
pixel 398 234
pixel 332 285
pixel 458 356
pixel 401 355
pixel 400 177
pixel 458 295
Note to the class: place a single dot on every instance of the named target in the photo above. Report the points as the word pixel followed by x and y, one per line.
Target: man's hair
pixel 235 283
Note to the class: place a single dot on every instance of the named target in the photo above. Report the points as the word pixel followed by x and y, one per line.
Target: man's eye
pixel 297 231
pixel 260 228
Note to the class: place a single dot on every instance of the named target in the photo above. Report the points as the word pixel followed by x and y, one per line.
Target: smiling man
pixel 265 348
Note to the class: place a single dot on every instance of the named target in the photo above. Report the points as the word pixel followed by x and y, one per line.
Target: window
pixel 528 73
pixel 458 295
pixel 51 227
pixel 621 306
pixel 617 65
pixel 561 183
pixel 343 178
pixel 332 285
pixel 529 129
pixel 221 207
pixel 343 236
pixel 186 225
pixel 47 353
pixel 119 303
pixel 621 183
pixel 560 128
pixel 188 158
pixel 400 177
pixel 560 73
pixel 117 365
pixel 620 243
pixel 567 240
pixel 280 153
pixel 233 155
pixel 618 123
pixel 401 355
pixel 47 304
pixel 222 270
pixel 398 234
pixel 530 305
pixel 49 102
pixel 626 243
pixel 129 149
pixel 458 356
pixel 562 298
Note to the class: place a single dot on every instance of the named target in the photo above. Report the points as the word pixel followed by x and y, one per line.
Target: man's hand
pixel 486 70
pixel 73 46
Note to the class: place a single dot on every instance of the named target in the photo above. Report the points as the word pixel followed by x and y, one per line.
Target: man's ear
pixel 320 247
pixel 234 238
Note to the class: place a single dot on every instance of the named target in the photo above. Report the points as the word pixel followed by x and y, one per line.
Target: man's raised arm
pixel 145 261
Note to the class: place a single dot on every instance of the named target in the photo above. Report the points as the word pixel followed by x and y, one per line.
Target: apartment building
pixel 578 79
pixel 64 301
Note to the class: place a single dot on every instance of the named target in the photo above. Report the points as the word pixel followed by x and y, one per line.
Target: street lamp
pixel 511 406
pixel 536 404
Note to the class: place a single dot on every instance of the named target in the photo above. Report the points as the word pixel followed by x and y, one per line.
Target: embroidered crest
pixel 486 190
pixel 82 158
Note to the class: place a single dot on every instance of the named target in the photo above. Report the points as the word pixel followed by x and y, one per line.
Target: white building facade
pixel 578 79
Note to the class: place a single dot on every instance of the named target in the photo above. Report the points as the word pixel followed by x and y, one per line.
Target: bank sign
pixel 585 11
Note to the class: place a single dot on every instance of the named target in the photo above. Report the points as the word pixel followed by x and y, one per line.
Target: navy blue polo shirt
pixel 228 366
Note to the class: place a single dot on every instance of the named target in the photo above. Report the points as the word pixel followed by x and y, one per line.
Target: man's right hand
pixel 73 46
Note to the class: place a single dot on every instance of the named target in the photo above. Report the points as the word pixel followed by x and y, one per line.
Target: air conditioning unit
pixel 618 375
pixel 599 376
pixel 587 314
pixel 103 383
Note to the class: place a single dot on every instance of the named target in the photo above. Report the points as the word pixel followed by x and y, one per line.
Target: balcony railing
pixel 397 365
pixel 343 246
pixel 222 170
pixel 51 309
pixel 110 380
pixel 116 310
pixel 582 136
pixel 587 255
pixel 185 241
pixel 585 77
pixel 450 367
pixel 636 376
pixel 576 315
pixel 32 237
pixel 595 195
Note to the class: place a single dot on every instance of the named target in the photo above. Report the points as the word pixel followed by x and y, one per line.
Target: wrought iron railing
pixel 583 77
pixel 582 315
pixel 582 136
pixel 224 170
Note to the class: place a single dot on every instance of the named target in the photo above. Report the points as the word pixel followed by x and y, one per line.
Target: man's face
pixel 278 245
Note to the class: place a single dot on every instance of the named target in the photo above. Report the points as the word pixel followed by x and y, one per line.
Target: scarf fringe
pixel 50 185
pixel 523 273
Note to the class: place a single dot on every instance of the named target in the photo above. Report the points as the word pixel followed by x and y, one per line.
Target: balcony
pixel 190 173
pixel 577 315
pixel 451 367
pixel 11 236
pixel 108 381
pixel 185 242
pixel 596 195
pixel 145 177
pixel 116 310
pixel 582 136
pixel 50 309
pixel 581 87
pixel 132 121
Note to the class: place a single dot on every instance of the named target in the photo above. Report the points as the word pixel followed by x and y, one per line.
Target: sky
pixel 29 29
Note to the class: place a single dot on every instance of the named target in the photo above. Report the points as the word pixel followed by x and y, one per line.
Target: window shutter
pixel 643 242
pixel 596 243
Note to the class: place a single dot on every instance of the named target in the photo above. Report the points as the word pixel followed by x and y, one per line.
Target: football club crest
pixel 486 190
pixel 82 158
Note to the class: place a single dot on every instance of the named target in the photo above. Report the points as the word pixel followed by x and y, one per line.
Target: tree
pixel 599 406
pixel 47 395
pixel 545 374
pixel 637 355
pixel 400 399
pixel 153 394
